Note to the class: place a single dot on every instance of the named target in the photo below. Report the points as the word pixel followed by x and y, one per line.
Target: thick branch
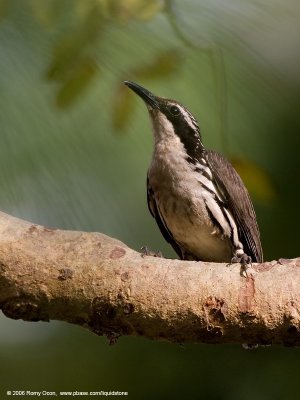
pixel 97 282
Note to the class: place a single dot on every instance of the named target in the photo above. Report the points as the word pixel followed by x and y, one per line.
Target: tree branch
pixel 99 283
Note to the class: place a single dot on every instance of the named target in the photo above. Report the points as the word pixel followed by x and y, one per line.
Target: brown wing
pixel 237 198
pixel 154 211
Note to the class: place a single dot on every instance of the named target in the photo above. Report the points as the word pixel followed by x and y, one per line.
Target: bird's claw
pixel 245 261
pixel 146 252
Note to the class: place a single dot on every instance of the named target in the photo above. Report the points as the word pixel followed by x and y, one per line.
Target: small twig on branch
pixel 99 283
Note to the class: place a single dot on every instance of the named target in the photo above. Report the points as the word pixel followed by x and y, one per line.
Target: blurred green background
pixel 75 146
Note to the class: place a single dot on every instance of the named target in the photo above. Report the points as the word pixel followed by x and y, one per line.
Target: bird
pixel 197 198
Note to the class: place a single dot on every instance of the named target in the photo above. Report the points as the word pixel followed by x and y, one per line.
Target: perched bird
pixel 195 195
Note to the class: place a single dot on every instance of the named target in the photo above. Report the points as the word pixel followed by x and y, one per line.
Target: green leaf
pixel 47 12
pixel 67 52
pixel 4 5
pixel 123 101
pixel 256 179
pixel 69 49
pixel 125 10
pixel 77 83
pixel 122 107
pixel 163 65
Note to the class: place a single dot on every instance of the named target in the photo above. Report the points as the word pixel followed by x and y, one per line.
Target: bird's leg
pixel 145 251
pixel 243 259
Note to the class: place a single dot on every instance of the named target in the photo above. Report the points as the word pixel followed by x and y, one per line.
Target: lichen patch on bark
pixel 117 252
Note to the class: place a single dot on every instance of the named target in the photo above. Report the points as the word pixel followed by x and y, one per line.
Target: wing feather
pixel 237 198
pixel 154 210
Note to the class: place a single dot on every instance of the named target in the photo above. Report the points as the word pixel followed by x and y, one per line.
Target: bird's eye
pixel 174 110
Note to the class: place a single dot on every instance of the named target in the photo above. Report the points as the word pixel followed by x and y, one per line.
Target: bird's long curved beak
pixel 147 96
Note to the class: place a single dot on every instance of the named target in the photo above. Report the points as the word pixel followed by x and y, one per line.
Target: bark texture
pixel 99 283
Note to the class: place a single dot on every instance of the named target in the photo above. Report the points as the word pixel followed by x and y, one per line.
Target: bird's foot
pixel 244 260
pixel 146 252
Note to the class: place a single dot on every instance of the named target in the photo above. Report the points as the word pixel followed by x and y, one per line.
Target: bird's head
pixel 171 120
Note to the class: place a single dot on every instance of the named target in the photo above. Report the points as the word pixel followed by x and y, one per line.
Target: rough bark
pixel 99 283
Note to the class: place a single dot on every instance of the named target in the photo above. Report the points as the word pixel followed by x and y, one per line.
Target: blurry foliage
pixel 4 6
pixel 122 107
pixel 74 65
pixel 162 67
pixel 79 78
pixel 125 10
pixel 256 179
pixel 47 12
